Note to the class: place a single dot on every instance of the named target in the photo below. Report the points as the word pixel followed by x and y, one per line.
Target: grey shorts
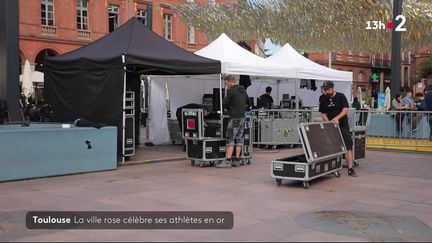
pixel 234 133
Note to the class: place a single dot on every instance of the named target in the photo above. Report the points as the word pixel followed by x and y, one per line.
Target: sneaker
pixel 224 164
pixel 352 173
pixel 236 162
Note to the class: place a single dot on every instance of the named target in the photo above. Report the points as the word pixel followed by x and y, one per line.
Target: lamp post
pixel 9 57
pixel 396 51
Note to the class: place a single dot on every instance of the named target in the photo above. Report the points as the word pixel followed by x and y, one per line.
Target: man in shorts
pixel 235 103
pixel 334 107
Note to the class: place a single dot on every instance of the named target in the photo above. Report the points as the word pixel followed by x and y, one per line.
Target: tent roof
pixel 306 68
pixel 236 60
pixel 141 47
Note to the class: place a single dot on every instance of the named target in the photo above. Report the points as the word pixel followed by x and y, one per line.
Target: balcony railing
pixel 83 34
pixel 48 30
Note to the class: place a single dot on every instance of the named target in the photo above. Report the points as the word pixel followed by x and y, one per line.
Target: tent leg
pixel 220 104
pixel 123 115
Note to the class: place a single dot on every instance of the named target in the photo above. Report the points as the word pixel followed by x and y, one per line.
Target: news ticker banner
pixel 129 220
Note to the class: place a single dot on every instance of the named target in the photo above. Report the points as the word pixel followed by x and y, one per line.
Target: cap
pixel 328 84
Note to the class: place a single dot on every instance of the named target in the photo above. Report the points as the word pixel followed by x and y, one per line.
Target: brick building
pixel 53 27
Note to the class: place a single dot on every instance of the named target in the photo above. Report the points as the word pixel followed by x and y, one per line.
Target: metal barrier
pixel 273 127
pixel 405 130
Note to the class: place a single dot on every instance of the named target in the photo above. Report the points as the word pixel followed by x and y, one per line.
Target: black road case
pixel 323 149
pixel 192 123
pixel 246 153
pixel 205 150
pixel 359 144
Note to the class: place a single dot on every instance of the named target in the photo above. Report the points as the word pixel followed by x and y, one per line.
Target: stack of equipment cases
pixel 129 123
pixel 323 147
pixel 200 148
pixel 359 144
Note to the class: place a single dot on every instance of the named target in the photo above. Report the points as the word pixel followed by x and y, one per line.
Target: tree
pixel 425 69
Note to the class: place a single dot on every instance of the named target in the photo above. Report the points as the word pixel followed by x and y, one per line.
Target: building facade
pixel 53 27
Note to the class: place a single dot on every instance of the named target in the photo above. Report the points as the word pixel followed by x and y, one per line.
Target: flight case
pixel 323 147
pixel 198 146
pixel 205 150
pixel 359 144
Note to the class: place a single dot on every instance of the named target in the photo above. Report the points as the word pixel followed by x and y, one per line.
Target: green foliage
pixel 425 69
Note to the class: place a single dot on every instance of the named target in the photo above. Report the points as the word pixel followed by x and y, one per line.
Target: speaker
pixel 216 98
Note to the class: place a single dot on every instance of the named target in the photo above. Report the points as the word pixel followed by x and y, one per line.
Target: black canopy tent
pixel 91 81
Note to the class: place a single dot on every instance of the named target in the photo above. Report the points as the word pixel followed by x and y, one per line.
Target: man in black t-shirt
pixel 266 100
pixel 334 107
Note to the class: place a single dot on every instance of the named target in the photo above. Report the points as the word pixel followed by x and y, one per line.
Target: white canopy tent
pixel 190 89
pixel 237 60
pixel 307 69
pixel 282 75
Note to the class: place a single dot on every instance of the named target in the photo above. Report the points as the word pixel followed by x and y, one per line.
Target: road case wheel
pixel 279 182
pixel 192 162
pixel 248 161
pixel 337 173
pixel 212 163
pixel 356 163
pixel 306 184
pixel 202 163
pixel 274 147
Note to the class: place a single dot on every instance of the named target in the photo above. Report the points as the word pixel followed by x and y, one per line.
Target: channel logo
pixel 380 25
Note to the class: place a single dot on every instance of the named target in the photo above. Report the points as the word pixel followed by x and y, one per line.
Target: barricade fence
pixel 406 130
pixel 273 127
pixel 392 129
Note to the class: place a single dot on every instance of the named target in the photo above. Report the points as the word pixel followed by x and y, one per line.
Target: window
pixel 142 16
pixel 113 17
pixel 47 12
pixel 82 14
pixel 167 30
pixel 360 76
pixel 191 34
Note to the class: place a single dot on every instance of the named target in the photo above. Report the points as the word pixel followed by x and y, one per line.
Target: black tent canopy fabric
pixel 89 82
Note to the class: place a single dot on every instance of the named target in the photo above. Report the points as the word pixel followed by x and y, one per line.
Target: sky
pixel 272 48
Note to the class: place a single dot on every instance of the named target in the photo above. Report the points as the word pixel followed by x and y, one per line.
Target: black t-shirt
pixel 266 101
pixel 333 106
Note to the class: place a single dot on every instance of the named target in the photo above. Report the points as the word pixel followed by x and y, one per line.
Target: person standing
pixel 266 99
pixel 334 107
pixel 356 104
pixel 235 103
pixel 408 101
pixel 428 106
pixel 396 105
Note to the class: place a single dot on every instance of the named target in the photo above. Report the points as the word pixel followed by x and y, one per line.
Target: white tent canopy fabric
pixel 307 69
pixel 237 60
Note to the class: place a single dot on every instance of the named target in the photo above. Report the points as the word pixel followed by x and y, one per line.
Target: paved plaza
pixel 393 190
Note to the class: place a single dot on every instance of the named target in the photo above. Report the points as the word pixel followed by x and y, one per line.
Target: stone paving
pixel 390 183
